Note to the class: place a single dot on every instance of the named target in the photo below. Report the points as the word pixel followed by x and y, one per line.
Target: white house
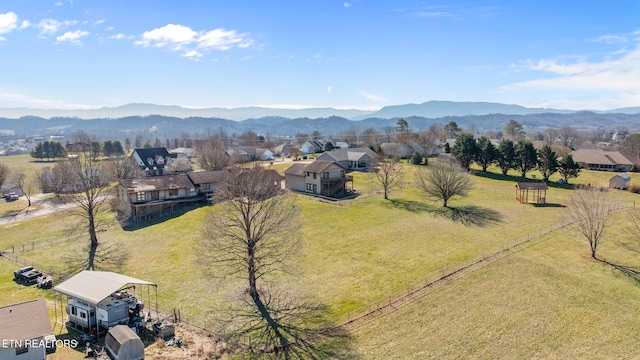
pixel 23 329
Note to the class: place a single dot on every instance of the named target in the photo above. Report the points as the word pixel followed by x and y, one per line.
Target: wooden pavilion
pixel 538 191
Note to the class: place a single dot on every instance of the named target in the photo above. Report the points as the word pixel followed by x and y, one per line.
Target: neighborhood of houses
pixel 110 305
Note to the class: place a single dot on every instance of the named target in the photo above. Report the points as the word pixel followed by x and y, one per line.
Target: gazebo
pixel 538 191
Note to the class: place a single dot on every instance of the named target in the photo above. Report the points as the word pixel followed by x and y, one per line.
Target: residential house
pixel 284 150
pixel 24 328
pixel 183 151
pixel 320 177
pixel 597 159
pixel 352 158
pixel 247 154
pixel 152 161
pixel 620 181
pixel 153 196
pixel 341 145
pixel 312 146
pixel 206 182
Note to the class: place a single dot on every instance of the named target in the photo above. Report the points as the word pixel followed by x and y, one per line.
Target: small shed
pixel 538 192
pixel 620 181
pixel 123 344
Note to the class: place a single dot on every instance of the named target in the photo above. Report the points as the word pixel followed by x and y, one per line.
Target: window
pixel 141 196
pixel 83 315
pixel 206 186
pixel 325 175
pixel 341 173
pixel 309 187
pixel 173 192
pixel 314 175
pixel 22 350
pixel 73 311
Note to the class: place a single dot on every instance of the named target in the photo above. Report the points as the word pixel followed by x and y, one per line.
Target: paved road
pixel 46 207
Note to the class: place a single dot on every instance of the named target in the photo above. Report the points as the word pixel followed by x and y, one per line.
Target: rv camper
pixel 119 308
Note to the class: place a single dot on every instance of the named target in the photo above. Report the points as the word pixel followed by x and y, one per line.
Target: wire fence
pixel 447 272
pixel 202 324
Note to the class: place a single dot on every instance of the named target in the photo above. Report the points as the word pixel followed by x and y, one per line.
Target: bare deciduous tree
pixel 28 185
pixel 388 175
pixel 250 236
pixel 4 173
pixel 590 209
pixel 86 187
pixel 444 181
pixel 212 155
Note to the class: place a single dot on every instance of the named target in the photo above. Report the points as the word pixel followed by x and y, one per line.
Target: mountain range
pixel 171 121
pixel 429 109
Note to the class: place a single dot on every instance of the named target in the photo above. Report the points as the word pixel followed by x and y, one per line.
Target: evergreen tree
pixel 486 153
pixel 465 150
pixel 568 168
pixel 416 158
pixel 547 162
pixel 506 155
pixel 526 156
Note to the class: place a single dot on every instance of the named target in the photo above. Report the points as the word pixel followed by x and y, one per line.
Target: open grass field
pixel 543 301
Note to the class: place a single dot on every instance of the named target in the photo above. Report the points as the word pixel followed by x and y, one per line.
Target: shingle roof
pixel 295 169
pixel 157 183
pixel 25 320
pixel 349 154
pixel 151 153
pixel 531 186
pixel 94 286
pixel 321 165
pixel 600 157
pixel 203 177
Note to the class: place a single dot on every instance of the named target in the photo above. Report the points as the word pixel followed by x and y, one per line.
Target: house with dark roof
pixel 151 196
pixel 152 161
pixel 206 182
pixel 23 329
pixel 321 177
pixel 351 158
pixel 597 159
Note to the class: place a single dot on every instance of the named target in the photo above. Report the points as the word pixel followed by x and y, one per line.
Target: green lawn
pixel 358 253
pixel 546 301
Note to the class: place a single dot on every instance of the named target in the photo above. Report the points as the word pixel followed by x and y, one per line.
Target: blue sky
pixel 364 54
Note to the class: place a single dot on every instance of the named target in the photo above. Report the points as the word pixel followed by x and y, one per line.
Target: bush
pixel 633 188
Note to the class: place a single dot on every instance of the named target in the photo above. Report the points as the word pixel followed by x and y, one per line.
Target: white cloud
pixel 48 26
pixel 19 100
pixel 346 5
pixel 171 34
pixel 118 36
pixel 72 37
pixel 59 3
pixel 577 82
pixel 372 97
pixel 330 89
pixel 193 55
pixel 24 24
pixel 8 22
pixel 221 39
pixel 177 37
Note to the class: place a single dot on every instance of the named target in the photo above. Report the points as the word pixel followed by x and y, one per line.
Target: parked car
pixel 17 275
pixel 44 282
pixel 27 275
pixel 10 197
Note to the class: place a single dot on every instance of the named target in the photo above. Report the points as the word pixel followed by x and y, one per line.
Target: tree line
pixel 521 156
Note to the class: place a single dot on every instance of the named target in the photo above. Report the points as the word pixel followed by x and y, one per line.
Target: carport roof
pixel 94 286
